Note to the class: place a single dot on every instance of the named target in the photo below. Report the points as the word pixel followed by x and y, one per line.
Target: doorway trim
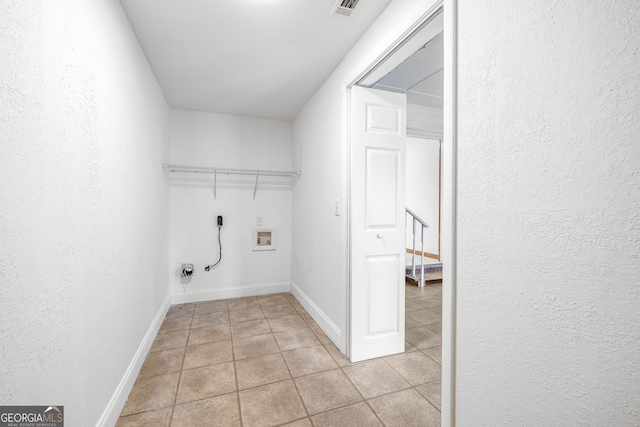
pixel 449 192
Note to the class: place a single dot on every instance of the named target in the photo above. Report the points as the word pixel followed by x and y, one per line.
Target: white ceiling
pixel 420 76
pixel 262 58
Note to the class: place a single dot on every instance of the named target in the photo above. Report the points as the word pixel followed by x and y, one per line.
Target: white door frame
pixel 449 194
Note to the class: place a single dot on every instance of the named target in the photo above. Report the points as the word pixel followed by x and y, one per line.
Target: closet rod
pixel 230 171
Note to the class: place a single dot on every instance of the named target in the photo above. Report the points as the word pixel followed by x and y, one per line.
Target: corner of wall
pixel 119 399
pixel 333 332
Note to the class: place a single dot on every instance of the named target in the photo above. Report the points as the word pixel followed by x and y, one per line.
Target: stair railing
pixel 416 221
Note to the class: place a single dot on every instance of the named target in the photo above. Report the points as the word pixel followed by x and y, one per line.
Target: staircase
pixel 419 266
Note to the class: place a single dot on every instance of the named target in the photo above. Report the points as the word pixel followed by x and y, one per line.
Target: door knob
pixel 379 236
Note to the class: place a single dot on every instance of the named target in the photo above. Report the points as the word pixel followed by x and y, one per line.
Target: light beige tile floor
pixel 262 361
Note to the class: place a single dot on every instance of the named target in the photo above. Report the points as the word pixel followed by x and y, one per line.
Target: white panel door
pixel 377 222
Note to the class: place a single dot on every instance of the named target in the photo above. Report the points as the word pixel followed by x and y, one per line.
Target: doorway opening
pixel 415 66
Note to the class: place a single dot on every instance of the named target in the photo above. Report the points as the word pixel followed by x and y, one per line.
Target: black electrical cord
pixel 209 267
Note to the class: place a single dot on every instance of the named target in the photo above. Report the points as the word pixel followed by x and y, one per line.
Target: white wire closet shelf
pixel 215 178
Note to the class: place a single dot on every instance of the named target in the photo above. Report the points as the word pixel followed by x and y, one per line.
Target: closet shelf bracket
pixel 255 188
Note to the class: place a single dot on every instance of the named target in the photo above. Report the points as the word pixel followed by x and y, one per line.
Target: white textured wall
pixel 319 236
pixel 548 262
pixel 319 267
pixel 228 141
pixel 83 203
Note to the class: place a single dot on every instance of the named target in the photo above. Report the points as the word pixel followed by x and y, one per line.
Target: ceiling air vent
pixel 344 7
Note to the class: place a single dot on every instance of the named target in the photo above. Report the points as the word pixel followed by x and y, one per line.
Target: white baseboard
pixel 327 326
pixel 231 292
pixel 110 415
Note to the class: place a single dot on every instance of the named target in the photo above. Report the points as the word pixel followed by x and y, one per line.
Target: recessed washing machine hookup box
pixel 264 239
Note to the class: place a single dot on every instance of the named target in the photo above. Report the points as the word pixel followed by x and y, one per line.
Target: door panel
pixel 383 120
pixel 378 158
pixel 382 170
pixel 382 299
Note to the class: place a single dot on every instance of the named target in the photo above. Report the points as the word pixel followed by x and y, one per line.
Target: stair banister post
pixel 413 250
pixel 422 256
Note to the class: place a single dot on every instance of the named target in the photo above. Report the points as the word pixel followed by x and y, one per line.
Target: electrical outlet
pixel 259 220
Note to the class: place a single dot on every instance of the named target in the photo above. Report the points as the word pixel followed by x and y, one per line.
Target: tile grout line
pixel 162 374
pixel 421 395
pixel 292 379
pixel 295 385
pixel 235 371
pixel 184 356
pixel 280 353
pixel 428 400
pixel 366 401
